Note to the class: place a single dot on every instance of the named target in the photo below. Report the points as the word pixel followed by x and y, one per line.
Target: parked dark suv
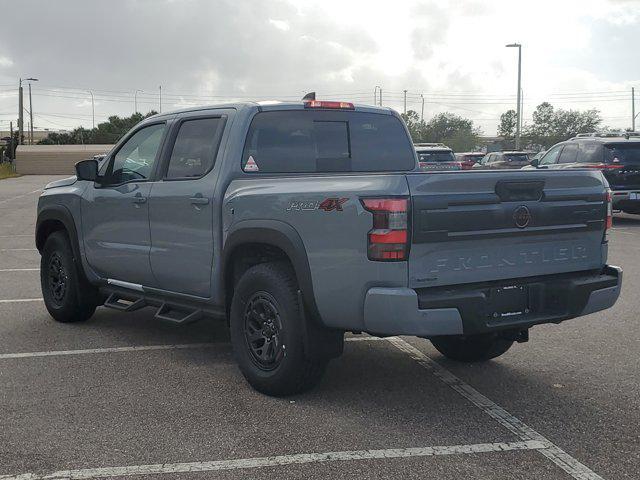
pixel 510 160
pixel 616 155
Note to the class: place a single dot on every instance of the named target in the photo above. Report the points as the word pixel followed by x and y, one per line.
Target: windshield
pixel 622 153
pixel 437 156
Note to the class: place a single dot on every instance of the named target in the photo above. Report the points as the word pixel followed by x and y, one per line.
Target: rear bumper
pixel 467 309
pixel 621 198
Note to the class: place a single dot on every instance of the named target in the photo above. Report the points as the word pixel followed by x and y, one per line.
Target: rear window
pixel 516 157
pixel 622 153
pixel 323 141
pixel 437 156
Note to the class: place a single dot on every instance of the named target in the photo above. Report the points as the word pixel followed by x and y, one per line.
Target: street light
pixel 30 110
pixel 518 122
pixel 375 90
pixel 422 111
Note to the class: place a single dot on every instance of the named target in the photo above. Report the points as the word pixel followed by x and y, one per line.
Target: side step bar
pixel 168 312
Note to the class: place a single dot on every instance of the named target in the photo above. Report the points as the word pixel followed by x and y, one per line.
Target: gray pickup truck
pixel 298 222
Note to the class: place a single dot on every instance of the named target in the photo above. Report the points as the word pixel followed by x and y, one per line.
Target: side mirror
pixel 87 170
pixel 534 162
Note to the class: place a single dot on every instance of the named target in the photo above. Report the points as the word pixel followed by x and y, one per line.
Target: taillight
pixel 609 221
pixel 325 104
pixel 388 240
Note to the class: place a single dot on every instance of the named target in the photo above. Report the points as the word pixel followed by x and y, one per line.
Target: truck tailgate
pixel 480 226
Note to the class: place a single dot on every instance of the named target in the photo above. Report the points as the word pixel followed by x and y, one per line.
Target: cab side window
pixel 551 157
pixel 134 161
pixel 195 148
pixel 569 153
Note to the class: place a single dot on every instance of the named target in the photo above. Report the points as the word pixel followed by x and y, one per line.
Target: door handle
pixel 138 198
pixel 198 199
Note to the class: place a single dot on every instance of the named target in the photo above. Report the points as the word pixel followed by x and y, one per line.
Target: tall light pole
pixel 31 110
pixel 135 100
pixel 633 109
pixel 160 88
pixel 518 122
pixel 93 110
pixel 405 101
pixel 20 114
pixel 422 111
pixel 375 97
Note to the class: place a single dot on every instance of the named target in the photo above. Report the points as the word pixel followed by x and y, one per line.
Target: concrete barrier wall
pixel 54 159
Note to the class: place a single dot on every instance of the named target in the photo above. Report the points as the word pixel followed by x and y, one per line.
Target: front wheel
pixel 67 295
pixel 267 332
pixel 472 348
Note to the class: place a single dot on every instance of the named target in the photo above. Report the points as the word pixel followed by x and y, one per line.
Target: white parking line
pixel 137 348
pixel 21 300
pixel 141 348
pixel 12 236
pixel 18 249
pixel 280 460
pixel 19 269
pixel 554 453
pixel 20 196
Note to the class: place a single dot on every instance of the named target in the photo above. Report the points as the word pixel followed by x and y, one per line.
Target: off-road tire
pixel 274 284
pixel 472 348
pixel 69 297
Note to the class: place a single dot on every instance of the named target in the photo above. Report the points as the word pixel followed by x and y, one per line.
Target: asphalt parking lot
pixel 124 395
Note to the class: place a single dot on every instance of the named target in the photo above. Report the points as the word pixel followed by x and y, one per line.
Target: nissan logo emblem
pixel 522 216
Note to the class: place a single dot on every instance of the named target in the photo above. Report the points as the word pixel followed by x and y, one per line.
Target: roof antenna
pixel 309 96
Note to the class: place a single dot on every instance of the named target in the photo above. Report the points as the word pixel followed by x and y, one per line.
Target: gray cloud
pixel 183 45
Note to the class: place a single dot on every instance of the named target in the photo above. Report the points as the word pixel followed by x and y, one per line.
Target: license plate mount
pixel 509 301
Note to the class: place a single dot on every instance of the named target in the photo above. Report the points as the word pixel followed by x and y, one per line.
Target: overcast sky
pixel 576 54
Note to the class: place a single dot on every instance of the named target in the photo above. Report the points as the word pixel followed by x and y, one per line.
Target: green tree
pixel 414 124
pixel 457 132
pixel 106 132
pixel 551 126
pixel 507 126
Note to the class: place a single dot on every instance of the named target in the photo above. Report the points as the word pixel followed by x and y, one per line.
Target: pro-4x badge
pixel 328 204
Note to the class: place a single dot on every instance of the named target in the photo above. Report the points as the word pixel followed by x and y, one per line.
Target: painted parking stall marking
pixel 88 351
pixel 280 460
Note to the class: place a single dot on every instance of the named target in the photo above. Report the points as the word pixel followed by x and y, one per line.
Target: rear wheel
pixel 67 295
pixel 472 348
pixel 266 332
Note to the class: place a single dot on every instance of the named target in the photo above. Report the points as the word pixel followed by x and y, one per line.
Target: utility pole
pixel 31 111
pixel 422 111
pixel 93 111
pixel 380 96
pixel 135 101
pixel 160 88
pixel 20 115
pixel 375 94
pixel 405 101
pixel 519 112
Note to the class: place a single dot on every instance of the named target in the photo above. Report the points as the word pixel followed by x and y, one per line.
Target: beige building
pixel 54 159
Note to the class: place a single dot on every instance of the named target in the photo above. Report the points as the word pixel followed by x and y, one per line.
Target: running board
pixel 178 314
pixel 124 302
